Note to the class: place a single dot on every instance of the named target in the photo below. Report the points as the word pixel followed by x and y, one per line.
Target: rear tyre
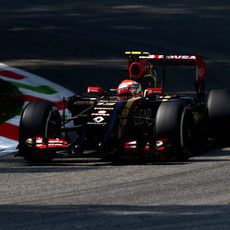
pixel 219 114
pixel 174 122
pixel 42 119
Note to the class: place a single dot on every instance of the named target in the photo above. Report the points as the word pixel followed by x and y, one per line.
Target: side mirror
pixel 96 90
pixel 154 91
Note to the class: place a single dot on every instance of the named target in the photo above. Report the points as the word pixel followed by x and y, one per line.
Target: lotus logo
pixel 98 119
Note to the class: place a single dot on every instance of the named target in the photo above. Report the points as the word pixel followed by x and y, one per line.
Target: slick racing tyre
pixel 39 119
pixel 219 114
pixel 174 124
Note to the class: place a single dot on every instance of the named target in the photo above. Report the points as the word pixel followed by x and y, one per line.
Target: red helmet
pixel 129 88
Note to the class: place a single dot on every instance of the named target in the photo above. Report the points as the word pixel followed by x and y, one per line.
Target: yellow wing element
pixel 136 53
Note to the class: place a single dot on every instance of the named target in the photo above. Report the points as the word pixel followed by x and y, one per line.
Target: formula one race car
pixel 138 119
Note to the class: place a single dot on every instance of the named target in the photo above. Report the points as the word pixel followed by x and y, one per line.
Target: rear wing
pixel 155 59
pixel 139 62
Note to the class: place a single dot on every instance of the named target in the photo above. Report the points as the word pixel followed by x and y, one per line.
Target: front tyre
pixel 174 124
pixel 41 119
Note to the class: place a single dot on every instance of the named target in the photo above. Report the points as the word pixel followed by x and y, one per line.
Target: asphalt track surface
pixel 76 43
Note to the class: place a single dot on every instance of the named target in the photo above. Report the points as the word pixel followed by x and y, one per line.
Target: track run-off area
pixel 80 43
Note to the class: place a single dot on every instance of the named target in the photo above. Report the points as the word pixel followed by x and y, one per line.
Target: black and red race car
pixel 157 125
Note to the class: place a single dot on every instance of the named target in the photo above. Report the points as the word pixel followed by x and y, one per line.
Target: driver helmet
pixel 129 88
